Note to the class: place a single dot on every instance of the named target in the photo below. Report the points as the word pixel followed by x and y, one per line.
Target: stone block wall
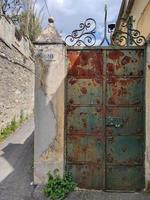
pixel 16 76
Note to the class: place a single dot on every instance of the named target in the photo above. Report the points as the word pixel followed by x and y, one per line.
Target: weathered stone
pixel 16 82
pixel 50 34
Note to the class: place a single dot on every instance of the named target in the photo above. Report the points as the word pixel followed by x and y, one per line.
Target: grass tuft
pixel 11 127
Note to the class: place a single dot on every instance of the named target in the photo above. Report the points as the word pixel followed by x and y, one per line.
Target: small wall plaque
pixel 49 56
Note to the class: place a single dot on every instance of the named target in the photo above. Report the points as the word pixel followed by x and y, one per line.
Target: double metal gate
pixel 105 133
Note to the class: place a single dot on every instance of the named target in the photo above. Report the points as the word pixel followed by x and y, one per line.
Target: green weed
pixel 11 127
pixel 58 188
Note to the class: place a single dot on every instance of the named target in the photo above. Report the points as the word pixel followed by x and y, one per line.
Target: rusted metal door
pixel 125 119
pixel 105 118
pixel 85 121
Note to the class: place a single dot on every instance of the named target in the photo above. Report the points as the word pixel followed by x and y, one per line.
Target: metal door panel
pixel 85 119
pixel 125 91
pixel 125 62
pixel 125 178
pixel 87 64
pixel 90 176
pixel 125 150
pixel 84 91
pixel 85 148
pixel 132 120
pixel 125 119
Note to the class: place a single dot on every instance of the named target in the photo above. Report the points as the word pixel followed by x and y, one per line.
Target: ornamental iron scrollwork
pixel 127 36
pixel 85 35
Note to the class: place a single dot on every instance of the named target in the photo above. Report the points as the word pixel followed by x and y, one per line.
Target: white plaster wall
pixel 138 9
pixel 49 111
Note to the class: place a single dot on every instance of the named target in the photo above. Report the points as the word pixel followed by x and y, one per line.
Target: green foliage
pixel 25 16
pixel 5 132
pixel 23 118
pixel 32 29
pixel 58 188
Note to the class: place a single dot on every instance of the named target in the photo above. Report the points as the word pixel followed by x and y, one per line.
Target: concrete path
pixel 16 164
pixel 96 195
pixel 99 195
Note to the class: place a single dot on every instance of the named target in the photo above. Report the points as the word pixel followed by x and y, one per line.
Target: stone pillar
pixel 49 104
pixel 147 139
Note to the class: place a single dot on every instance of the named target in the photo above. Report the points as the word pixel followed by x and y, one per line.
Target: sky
pixel 68 14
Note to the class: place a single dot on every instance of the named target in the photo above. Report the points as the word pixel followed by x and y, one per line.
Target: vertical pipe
pixel 129 31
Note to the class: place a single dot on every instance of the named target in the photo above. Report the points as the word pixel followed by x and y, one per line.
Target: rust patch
pixel 84 123
pixel 110 68
pixel 71 101
pixel 72 81
pixel 98 101
pixel 81 113
pixel 86 64
pixel 109 131
pixel 83 90
pixel 115 55
pixel 126 60
pixel 122 91
pixel 70 108
pixel 139 53
pixel 131 74
pixel 140 73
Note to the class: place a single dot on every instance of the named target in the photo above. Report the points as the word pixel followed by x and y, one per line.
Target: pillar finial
pixel 50 20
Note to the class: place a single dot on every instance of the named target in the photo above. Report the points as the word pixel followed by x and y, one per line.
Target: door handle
pixel 117 122
pixel 117 125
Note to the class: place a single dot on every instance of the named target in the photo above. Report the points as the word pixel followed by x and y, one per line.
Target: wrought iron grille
pixel 124 36
pixel 85 35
